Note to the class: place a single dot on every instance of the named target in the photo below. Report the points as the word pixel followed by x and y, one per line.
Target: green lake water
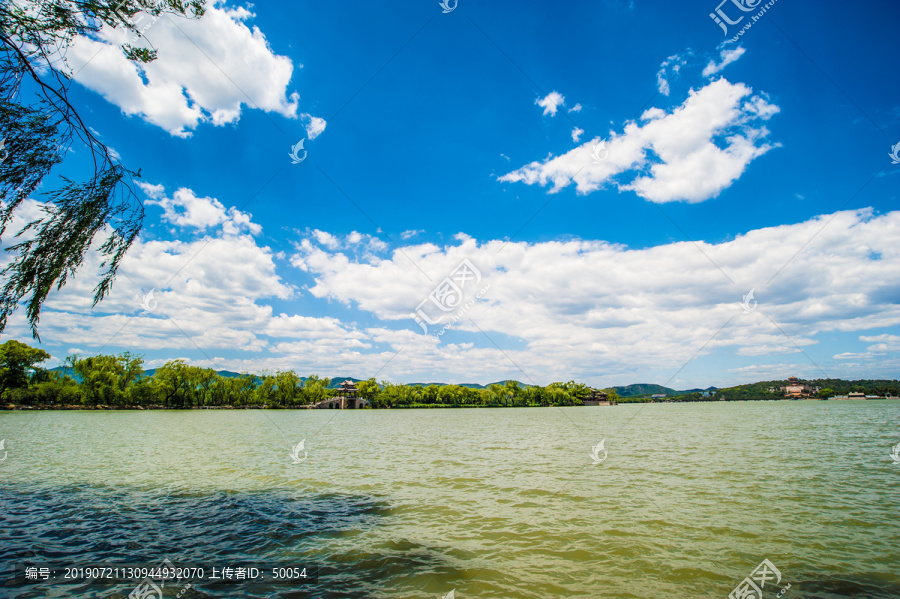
pixel 508 503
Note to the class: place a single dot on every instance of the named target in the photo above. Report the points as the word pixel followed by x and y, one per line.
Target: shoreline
pixel 153 408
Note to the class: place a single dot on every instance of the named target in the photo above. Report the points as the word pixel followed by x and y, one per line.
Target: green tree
pixel 316 389
pixel 557 394
pixel 264 392
pixel 101 380
pixel 497 395
pixel 39 126
pixel 18 362
pixel 174 383
pixel 106 379
pixel 239 390
pixel 512 391
pixel 368 389
pixel 288 388
pixel 429 394
pixel 142 392
pixel 450 395
pixel 58 390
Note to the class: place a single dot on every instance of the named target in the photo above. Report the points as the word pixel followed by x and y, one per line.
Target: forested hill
pixel 828 388
pixel 648 389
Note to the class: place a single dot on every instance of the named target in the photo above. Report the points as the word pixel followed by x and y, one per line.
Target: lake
pixel 506 502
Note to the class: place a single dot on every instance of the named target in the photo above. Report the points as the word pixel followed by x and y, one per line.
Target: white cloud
pixel 309 328
pixel 206 71
pixel 635 314
pixel 727 56
pixel 551 102
pixel 186 209
pixel 207 293
pixel 883 343
pixel 669 68
pixel 576 108
pixel 576 134
pixel 314 125
pixel 698 149
pixel 410 233
pixel 637 311
pixel 360 244
pixel 326 239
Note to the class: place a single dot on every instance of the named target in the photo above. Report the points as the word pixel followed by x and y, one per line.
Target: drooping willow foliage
pixel 38 126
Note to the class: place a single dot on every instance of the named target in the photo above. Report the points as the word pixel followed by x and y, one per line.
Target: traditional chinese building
pixel 598 398
pixel 347 398
pixel 797 389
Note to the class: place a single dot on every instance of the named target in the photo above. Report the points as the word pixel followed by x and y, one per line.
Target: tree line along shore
pixel 120 382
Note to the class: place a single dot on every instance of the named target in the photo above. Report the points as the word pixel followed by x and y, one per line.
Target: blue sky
pixel 618 176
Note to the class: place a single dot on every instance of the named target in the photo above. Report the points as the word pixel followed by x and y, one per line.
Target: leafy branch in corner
pixel 39 125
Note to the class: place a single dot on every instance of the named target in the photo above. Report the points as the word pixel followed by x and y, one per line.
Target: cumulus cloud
pixel 693 152
pixel 635 315
pixel 186 209
pixel 727 57
pixel 551 102
pixel 576 134
pixel 207 292
pixel 636 311
pixel 207 69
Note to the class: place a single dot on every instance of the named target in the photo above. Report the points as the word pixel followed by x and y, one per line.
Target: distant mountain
pixel 648 389
pixel 697 390
pixel 225 373
pixel 64 370
pixel 644 389
pixel 467 385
